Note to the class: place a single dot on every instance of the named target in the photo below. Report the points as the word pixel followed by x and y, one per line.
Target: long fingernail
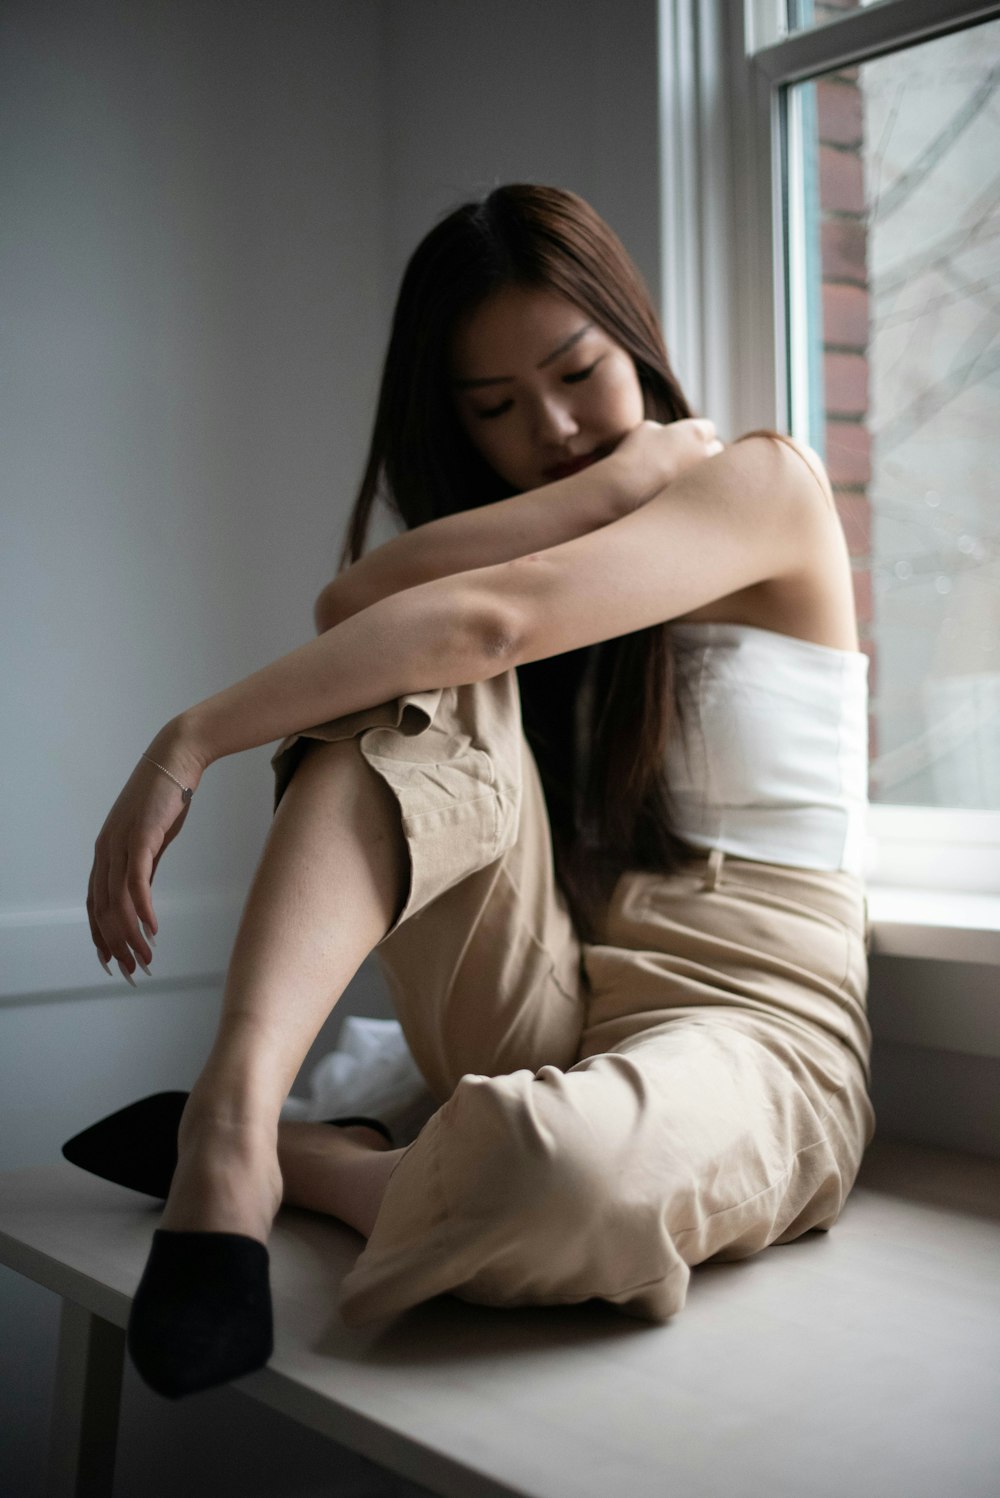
pixel 148 934
pixel 125 972
pixel 143 966
pixel 104 965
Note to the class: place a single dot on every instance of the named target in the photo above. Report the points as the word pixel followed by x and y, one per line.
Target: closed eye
pixel 576 378
pixel 581 374
pixel 491 411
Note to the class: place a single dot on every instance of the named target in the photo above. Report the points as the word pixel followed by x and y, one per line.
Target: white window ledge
pixel 49 951
pixel 949 925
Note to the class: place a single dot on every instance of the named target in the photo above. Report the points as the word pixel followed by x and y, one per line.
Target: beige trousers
pixel 692 1087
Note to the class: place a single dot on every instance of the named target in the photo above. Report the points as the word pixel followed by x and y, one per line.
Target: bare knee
pixel 336 776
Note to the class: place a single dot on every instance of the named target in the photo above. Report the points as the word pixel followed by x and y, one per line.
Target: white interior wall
pixel 192 270
pixel 204 210
pixel 193 276
pixel 564 92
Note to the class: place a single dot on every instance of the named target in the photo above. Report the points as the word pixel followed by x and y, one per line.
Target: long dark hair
pixel 607 797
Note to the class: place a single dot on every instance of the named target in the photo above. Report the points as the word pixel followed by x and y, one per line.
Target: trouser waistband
pixel 835 887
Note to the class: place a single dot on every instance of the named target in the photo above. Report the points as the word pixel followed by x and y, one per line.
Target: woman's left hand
pixel 145 819
pixel 655 453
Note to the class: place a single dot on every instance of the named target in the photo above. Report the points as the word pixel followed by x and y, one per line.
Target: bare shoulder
pixel 794 492
pixel 800 467
pixel 813 598
pixel 748 535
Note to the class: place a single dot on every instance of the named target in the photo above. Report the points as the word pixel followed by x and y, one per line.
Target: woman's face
pixel 540 389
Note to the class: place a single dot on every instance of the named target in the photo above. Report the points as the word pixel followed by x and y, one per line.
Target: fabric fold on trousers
pixel 693 1086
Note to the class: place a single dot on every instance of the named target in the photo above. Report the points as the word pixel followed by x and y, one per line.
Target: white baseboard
pixel 49 950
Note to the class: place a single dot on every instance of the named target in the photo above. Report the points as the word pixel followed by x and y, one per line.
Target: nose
pixel 554 421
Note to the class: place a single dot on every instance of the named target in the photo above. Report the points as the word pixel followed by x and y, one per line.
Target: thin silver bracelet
pixel 186 791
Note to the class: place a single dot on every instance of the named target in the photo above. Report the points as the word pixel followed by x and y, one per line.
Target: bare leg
pixel 340 1172
pixel 329 886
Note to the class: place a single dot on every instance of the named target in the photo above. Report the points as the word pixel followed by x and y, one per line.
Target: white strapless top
pixel 773 760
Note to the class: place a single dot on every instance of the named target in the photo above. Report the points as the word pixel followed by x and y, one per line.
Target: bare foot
pixel 341 1172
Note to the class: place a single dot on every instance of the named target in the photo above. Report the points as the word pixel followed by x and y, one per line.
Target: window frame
pixel 724 66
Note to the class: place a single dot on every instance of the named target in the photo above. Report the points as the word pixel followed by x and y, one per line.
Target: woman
pixel 626 939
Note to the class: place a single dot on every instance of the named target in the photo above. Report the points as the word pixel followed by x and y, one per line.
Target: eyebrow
pixel 501 379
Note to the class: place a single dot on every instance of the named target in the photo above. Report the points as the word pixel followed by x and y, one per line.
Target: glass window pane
pixel 894 245
pixel 803 14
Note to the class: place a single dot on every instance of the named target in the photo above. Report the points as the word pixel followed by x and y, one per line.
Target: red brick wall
pixel 844 275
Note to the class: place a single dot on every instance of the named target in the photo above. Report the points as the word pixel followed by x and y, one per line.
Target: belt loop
pixel 713 873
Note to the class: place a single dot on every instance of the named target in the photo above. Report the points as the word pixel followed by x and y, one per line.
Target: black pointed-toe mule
pixel 134 1147
pixel 137 1146
pixel 202 1313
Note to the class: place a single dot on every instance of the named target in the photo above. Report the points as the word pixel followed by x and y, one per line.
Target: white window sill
pixel 949 925
pixel 49 951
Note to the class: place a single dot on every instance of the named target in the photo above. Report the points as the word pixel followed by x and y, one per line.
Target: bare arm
pixel 436 634
pixel 757 512
pixel 695 541
pixel 492 533
pixel 725 524
pixel 422 612
pixel 529 522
